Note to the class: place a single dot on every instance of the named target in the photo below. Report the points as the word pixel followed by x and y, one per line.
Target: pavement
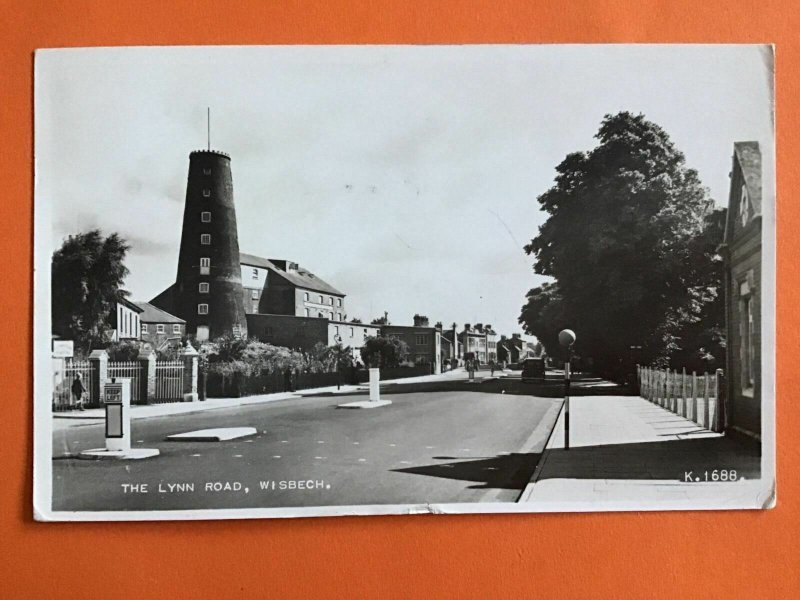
pixel 626 452
pixel 440 441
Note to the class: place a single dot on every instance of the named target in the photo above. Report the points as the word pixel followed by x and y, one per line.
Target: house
pixel 124 321
pixel 741 251
pixel 158 327
pixel 474 344
pixel 282 287
pixel 424 342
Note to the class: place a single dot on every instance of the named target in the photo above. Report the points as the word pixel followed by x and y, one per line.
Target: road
pixel 438 442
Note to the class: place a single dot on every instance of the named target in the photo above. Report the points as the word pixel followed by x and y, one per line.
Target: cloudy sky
pixel 405 176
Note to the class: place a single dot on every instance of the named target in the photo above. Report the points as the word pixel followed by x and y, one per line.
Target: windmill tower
pixel 208 291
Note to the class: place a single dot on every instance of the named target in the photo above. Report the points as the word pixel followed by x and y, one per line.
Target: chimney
pixel 516 336
pixel 439 325
pixel 420 321
pixel 467 326
pixel 479 327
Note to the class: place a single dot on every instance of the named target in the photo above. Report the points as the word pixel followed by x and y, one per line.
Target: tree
pixel 623 242
pixel 88 272
pixel 384 351
pixel 384 320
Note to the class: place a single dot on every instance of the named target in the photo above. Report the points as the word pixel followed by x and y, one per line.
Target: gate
pixel 169 382
pixel 62 383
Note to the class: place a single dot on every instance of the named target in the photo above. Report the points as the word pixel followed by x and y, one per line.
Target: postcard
pixel 285 281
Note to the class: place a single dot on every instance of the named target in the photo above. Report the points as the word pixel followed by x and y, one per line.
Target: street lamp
pixel 566 338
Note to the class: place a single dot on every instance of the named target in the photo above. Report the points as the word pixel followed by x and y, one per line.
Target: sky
pixel 405 176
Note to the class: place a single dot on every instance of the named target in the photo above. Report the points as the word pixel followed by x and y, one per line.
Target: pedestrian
pixel 287 380
pixel 491 366
pixel 78 390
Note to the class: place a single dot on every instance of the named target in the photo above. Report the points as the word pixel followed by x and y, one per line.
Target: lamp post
pixel 566 338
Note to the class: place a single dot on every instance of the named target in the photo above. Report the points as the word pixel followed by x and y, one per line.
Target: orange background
pixel 713 554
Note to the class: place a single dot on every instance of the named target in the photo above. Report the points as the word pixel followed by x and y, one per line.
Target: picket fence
pixel 698 398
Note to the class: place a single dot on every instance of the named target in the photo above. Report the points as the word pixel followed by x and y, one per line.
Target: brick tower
pixel 208 288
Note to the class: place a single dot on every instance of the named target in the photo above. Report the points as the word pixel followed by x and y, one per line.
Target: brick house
pixel 741 250
pixel 158 327
pixel 424 342
pixel 282 287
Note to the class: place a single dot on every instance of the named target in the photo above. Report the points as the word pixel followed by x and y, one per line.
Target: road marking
pixel 282 441
pixel 319 457
pixel 465 450
pixel 140 441
pixel 503 453
pixel 237 456
pixel 393 445
pixel 429 447
pixel 362 460
pixel 277 456
pixel 195 455
pixel 490 469
pixel 405 462
pixel 356 443
pixel 320 442
pixel 248 441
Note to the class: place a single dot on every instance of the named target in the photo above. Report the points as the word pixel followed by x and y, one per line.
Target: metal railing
pixel 131 370
pixel 169 382
pixel 64 372
pixel 698 398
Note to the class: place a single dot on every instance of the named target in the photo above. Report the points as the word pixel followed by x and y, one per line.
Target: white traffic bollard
pixel 374 385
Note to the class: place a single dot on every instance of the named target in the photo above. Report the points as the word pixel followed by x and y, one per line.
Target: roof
pixel 151 314
pixel 128 304
pixel 301 278
pixel 749 156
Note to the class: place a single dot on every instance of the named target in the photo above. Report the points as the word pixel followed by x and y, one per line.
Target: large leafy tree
pixel 87 277
pixel 384 351
pixel 628 242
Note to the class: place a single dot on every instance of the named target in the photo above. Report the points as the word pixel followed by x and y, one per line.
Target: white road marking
pixel 429 447
pixel 504 453
pixel 490 469
pixel 405 462
pixel 320 442
pixel 237 456
pixel 248 441
pixel 465 450
pixel 393 445
pixel 362 460
pixel 356 443
pixel 277 456
pixel 195 455
pixel 319 457
pixel 282 441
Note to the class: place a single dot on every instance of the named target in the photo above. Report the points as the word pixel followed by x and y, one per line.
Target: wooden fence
pixel 699 398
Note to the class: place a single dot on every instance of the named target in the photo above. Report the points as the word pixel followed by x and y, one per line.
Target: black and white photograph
pixel 285 281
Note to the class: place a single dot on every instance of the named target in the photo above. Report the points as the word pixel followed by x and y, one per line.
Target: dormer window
pixel 744 206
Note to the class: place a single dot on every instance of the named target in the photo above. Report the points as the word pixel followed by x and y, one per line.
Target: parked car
pixel 533 369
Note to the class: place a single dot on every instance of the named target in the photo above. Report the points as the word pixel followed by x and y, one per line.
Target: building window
pixel 339 302
pixel 254 295
pixel 422 339
pixel 336 329
pixel 305 296
pixel 351 332
pixel 202 309
pixel 321 299
pixel 206 193
pixel 205 217
pixel 144 327
pixel 255 307
pixel 160 328
pixel 338 316
pixel 308 312
pixel 202 288
pixel 254 274
pixel 205 239
pixel 205 266
pixel 330 300
pixel 747 333
pixel 176 329
pixel 320 315
pixel 207 171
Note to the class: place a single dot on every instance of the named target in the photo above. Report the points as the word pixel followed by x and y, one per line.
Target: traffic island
pixel 365 404
pixel 129 454
pixel 221 434
pixel 374 394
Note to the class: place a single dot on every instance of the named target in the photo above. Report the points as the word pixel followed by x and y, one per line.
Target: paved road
pixel 437 442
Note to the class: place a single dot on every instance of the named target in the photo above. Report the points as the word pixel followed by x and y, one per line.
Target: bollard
pixel 117 401
pixel 374 385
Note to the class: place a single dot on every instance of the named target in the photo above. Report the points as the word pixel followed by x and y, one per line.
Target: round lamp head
pixel 566 337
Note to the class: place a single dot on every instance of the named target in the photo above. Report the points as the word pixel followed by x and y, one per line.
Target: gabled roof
pixel 128 304
pixel 152 314
pixel 748 156
pixel 301 278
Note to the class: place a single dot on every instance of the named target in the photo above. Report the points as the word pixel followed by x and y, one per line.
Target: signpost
pixel 566 338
